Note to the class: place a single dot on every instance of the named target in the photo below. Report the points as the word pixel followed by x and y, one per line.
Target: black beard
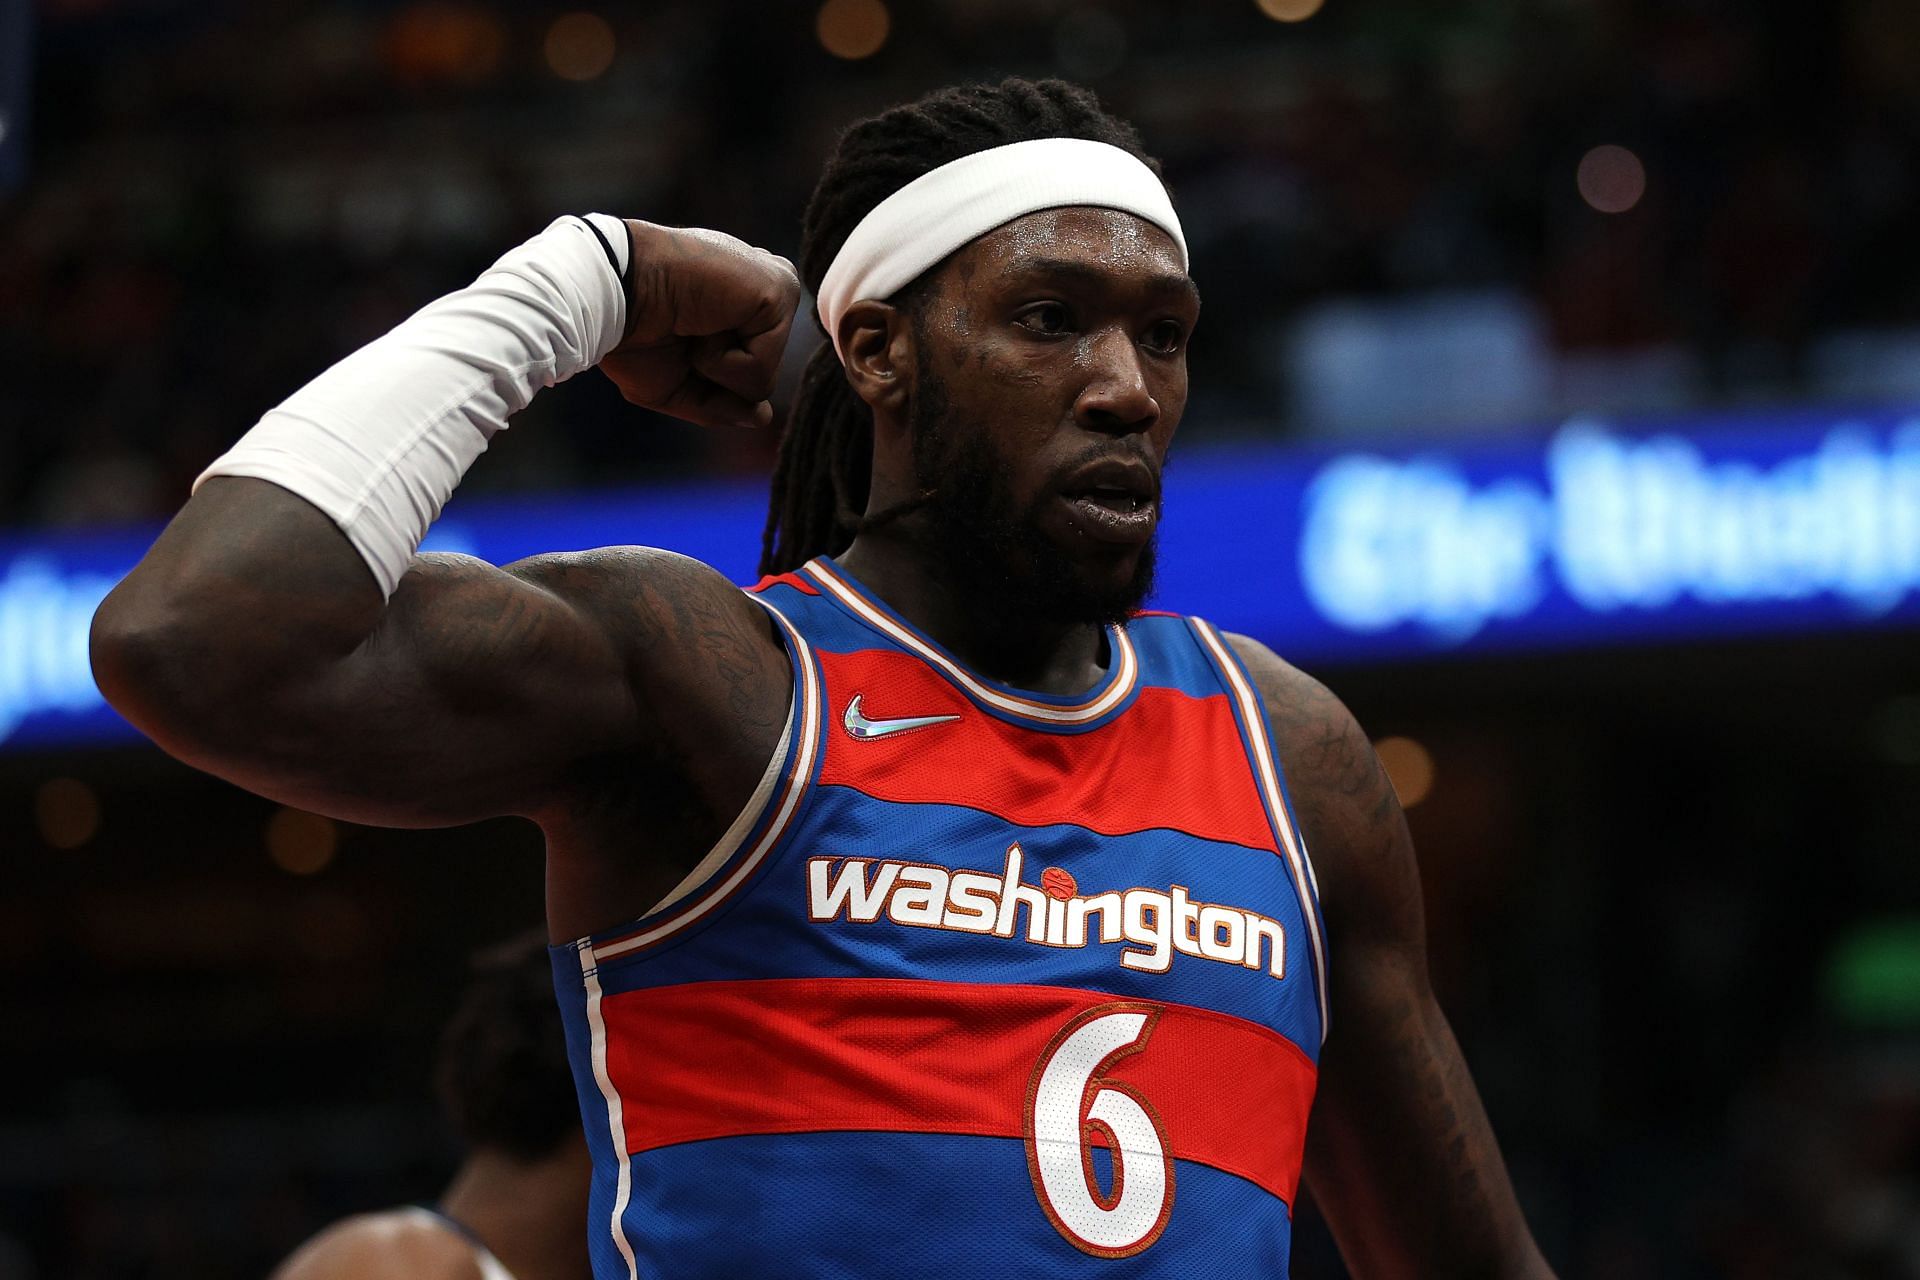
pixel 987 546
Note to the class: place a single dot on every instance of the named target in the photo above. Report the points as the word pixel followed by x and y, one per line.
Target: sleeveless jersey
pixel 984 983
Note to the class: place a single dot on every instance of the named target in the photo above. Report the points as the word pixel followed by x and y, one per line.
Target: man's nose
pixel 1116 398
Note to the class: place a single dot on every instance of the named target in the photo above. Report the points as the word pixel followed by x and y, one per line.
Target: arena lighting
pixel 1290 10
pixel 1611 179
pixel 580 46
pixel 1409 767
pixel 67 812
pixel 301 844
pixel 853 29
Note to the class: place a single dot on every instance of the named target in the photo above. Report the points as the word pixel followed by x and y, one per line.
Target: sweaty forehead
pixel 1103 239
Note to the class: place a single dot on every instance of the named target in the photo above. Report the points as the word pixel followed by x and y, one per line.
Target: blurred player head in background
pixel 502 1074
pixel 516 1208
pixel 983 439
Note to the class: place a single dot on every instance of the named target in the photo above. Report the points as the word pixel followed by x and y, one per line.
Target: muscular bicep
pixel 475 687
pixel 251 642
pixel 1400 1156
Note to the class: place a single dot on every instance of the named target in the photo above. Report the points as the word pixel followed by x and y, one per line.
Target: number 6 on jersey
pixel 1069 1104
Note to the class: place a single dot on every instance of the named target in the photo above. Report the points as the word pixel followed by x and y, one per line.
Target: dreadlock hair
pixel 820 482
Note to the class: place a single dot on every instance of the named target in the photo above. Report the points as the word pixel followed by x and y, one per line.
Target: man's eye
pixel 1049 318
pixel 1166 337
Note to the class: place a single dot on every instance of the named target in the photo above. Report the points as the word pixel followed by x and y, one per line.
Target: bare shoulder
pixel 647 593
pixel 399 1244
pixel 1346 807
pixel 683 634
pixel 636 595
pixel 1329 760
pixel 1316 735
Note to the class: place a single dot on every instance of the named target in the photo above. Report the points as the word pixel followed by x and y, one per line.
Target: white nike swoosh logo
pixel 861 727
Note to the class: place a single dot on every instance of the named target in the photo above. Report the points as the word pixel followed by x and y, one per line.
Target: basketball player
pixel 516 1204
pixel 926 910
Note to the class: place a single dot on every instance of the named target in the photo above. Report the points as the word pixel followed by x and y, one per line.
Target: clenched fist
pixel 707 322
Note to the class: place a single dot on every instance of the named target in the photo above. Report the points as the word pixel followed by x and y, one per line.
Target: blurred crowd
pixel 1396 209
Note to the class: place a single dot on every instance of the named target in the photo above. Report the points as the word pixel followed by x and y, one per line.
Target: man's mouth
pixel 1113 515
pixel 1113 498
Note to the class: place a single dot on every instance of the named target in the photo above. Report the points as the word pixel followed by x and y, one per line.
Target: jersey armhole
pixel 1249 709
pixel 755 835
pixel 723 849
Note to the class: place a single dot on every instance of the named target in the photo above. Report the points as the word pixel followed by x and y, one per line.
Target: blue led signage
pixel 1597 535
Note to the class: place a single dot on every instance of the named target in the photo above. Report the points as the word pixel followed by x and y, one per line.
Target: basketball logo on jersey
pixel 1153 923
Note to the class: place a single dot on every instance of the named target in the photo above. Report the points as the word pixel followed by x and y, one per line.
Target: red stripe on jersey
pixel 1036 778
pixel 793 580
pixel 806 1055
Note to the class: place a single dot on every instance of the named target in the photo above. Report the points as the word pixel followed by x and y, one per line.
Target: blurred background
pixel 1557 401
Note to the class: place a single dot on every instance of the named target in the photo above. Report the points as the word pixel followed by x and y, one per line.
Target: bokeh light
pixel 1611 179
pixel 580 46
pixel 301 843
pixel 1290 10
pixel 444 41
pixel 1409 768
pixel 853 29
pixel 67 812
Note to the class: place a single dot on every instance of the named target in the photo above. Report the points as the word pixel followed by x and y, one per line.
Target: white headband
pixel 924 221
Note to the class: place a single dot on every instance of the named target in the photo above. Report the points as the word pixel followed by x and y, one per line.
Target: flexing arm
pixel 1400 1156
pixel 255 639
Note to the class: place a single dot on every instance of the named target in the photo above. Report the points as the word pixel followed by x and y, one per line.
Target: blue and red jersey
pixel 983 983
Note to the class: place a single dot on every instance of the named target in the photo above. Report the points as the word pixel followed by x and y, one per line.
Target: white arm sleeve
pixel 379 440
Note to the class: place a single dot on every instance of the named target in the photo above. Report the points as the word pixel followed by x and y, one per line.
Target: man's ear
pixel 876 339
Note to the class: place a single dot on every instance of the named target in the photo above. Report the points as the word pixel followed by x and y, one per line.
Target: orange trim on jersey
pixel 804 1055
pixel 1037 779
